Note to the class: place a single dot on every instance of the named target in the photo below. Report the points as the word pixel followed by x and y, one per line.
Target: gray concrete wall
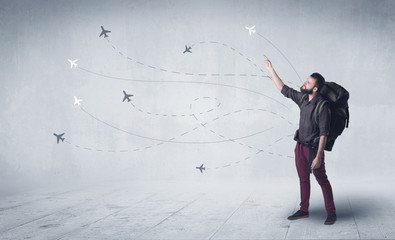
pixel 349 42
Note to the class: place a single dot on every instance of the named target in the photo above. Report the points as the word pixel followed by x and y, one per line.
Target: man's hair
pixel 319 80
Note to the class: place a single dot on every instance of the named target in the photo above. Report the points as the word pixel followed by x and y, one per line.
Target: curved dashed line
pixel 190 82
pixel 170 140
pixel 242 144
pixel 281 54
pixel 191 74
pixel 254 64
pixel 179 115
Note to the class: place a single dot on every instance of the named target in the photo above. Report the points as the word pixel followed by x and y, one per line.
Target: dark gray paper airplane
pixel 127 96
pixel 104 32
pixel 201 168
pixel 59 137
pixel 187 49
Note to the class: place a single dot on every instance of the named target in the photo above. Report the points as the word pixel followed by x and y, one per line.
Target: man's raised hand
pixel 268 64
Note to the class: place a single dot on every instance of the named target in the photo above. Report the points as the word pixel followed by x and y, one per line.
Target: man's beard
pixel 306 91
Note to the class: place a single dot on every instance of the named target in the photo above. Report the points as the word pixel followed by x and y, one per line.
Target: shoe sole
pixel 296 218
pixel 329 223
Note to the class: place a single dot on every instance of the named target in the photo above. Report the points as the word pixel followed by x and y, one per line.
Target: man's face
pixel 308 86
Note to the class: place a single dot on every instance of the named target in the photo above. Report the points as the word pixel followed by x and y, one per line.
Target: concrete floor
pixel 196 211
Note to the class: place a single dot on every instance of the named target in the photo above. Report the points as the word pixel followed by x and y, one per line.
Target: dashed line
pixel 202 124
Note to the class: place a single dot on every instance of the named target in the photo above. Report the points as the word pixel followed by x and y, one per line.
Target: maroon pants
pixel 302 166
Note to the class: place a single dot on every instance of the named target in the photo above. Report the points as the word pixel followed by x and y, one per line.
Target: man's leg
pixel 302 167
pixel 322 179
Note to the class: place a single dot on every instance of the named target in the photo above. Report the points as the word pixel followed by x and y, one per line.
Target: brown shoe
pixel 299 214
pixel 331 219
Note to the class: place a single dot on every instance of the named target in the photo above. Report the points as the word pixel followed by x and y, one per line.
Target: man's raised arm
pixel 276 79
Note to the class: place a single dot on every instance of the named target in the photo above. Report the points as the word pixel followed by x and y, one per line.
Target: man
pixel 311 139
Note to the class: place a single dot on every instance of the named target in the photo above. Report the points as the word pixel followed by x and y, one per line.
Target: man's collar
pixel 315 99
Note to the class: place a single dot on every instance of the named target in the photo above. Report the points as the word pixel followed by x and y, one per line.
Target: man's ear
pixel 315 89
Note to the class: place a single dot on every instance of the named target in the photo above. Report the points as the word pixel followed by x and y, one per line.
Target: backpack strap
pixel 348 117
pixel 318 110
pixel 303 99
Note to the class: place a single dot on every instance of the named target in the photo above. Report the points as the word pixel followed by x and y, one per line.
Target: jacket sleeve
pixel 292 94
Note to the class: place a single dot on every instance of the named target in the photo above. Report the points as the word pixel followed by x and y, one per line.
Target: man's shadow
pixel 350 209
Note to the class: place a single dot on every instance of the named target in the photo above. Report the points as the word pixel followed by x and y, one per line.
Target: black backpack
pixel 337 97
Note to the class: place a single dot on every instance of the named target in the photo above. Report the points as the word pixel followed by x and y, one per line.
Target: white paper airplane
pixel 251 29
pixel 72 63
pixel 77 101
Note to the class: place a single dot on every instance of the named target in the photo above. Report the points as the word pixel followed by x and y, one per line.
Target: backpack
pixel 337 97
